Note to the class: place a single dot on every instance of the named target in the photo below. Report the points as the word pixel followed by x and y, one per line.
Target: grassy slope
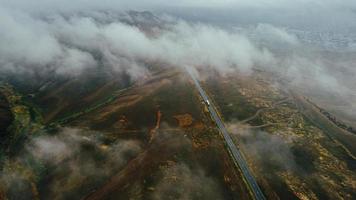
pixel 102 106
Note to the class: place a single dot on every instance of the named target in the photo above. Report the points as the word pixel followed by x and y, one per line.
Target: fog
pixel 328 15
pixel 182 182
pixel 77 159
pixel 69 37
pixel 66 46
pixel 265 148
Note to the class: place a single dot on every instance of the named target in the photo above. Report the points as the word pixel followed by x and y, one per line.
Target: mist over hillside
pixel 90 86
pixel 69 42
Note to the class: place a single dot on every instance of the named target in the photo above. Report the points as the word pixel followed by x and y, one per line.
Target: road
pixel 235 152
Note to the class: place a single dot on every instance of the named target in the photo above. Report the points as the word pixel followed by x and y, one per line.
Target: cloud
pixel 315 14
pixel 76 160
pixel 28 44
pixel 67 45
pixel 275 36
pixel 70 43
pixel 25 40
pixel 74 62
pixel 109 4
pixel 181 182
pixel 266 149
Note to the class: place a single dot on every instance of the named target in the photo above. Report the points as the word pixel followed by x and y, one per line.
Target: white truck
pixel 207 102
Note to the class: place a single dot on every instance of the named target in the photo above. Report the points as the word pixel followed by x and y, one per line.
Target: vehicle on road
pixel 207 102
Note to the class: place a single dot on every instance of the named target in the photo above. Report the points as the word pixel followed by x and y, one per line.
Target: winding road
pixel 235 152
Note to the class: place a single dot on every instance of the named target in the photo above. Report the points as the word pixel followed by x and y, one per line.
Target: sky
pixel 318 15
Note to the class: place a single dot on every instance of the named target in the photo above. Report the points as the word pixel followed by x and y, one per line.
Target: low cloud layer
pixel 270 151
pixel 69 42
pixel 74 159
pixel 181 182
pixel 69 45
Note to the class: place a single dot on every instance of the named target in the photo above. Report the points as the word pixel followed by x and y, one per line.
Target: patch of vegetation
pixel 26 120
pixel 339 152
pixel 75 114
pixel 232 104
pixel 304 158
pixel 6 117
pixel 281 188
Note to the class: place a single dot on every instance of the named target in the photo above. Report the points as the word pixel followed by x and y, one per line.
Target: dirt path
pixel 153 131
pixel 263 109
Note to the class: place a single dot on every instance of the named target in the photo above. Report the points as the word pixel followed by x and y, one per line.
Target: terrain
pixel 154 133
pixel 101 104
pixel 5 114
pixel 309 156
pixel 154 139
